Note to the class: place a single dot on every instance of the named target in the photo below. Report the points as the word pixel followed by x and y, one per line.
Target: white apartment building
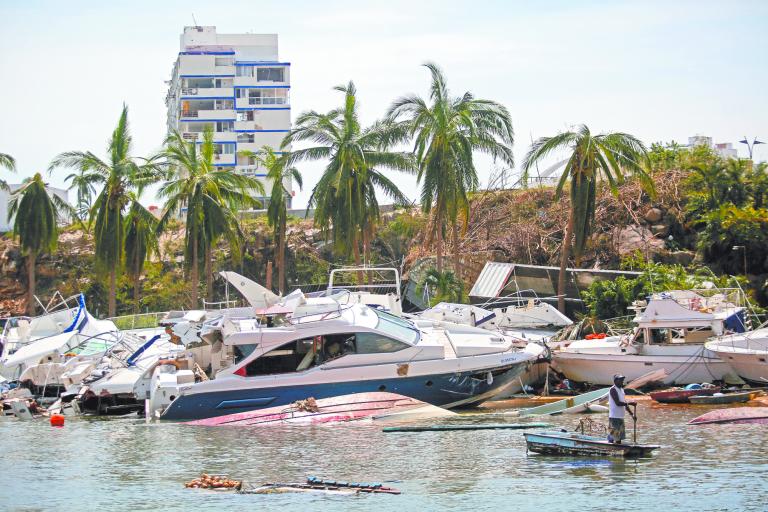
pixel 724 149
pixel 237 85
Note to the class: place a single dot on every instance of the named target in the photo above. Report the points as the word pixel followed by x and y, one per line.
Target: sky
pixel 661 71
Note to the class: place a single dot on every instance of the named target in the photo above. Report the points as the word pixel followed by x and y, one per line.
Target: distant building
pixel 6 224
pixel 235 84
pixel 724 149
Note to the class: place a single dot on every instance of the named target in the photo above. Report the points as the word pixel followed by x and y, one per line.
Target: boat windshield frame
pixel 396 327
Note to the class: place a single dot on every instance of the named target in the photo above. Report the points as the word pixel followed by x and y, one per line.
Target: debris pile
pixel 207 481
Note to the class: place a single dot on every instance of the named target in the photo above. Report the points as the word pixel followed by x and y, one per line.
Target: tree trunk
pixel 356 255
pixel 456 251
pixel 112 291
pixel 564 252
pixel 194 277
pixel 439 246
pixel 268 283
pixel 366 255
pixel 31 258
pixel 209 273
pixel 281 260
pixel 136 280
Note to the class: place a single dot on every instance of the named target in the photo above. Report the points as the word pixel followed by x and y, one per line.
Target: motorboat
pixel 298 346
pixel 670 332
pixel 527 314
pixel 570 405
pixel 746 353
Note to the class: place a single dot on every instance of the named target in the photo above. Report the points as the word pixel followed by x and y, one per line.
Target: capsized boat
pixel 575 443
pixel 670 333
pixel 327 346
pixel 523 314
pixel 327 410
pixel 738 415
pixel 681 396
pixel 570 405
pixel 746 353
pixel 724 398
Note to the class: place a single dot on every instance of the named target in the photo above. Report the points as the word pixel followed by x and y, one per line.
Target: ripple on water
pixel 126 464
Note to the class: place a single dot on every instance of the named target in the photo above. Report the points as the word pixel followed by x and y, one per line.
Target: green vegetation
pixel 612 298
pixel 442 286
pixel 6 162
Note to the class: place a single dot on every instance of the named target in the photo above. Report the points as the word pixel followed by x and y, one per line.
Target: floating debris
pixel 441 428
pixel 314 484
pixel 218 482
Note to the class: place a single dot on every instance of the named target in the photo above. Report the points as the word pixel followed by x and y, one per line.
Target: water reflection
pixel 127 464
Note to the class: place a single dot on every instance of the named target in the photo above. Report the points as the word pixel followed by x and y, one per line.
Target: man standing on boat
pixel 616 407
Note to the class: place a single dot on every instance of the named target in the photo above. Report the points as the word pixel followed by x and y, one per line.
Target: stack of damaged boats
pixel 281 351
pixel 274 352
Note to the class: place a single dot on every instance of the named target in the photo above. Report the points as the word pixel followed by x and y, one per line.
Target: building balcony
pixel 192 93
pixel 224 159
pixel 203 115
pixel 252 81
pixel 217 136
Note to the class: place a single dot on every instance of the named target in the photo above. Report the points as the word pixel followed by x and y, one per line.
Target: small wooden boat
pixel 680 396
pixel 724 398
pixel 328 410
pixel 574 443
pixel 733 415
pixel 317 485
pixel 571 405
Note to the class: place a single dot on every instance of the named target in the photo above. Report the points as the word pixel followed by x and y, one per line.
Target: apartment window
pixel 264 96
pixel 225 126
pixel 223 105
pixel 224 61
pixel 244 71
pixel 223 82
pixel 245 116
pixel 224 149
pixel 270 74
pixel 245 137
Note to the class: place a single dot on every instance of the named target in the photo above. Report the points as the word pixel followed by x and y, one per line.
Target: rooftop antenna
pixel 194 20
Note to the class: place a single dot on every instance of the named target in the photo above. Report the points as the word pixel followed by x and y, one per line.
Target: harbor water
pixel 127 464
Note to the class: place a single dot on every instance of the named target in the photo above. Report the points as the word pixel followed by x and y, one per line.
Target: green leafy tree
pixel 442 286
pixel 141 242
pixel 6 162
pixel 446 131
pixel 729 227
pixel 278 173
pixel 345 197
pixel 607 156
pixel 120 174
pixel 211 196
pixel 35 214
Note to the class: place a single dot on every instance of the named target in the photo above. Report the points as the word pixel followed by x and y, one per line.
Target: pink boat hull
pixel 328 410
pixel 757 415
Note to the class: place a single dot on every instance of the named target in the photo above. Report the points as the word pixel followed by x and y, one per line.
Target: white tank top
pixel 615 410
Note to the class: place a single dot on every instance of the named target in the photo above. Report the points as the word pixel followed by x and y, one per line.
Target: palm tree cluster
pixel 443 131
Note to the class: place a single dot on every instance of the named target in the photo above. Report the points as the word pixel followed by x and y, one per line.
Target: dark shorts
pixel 616 431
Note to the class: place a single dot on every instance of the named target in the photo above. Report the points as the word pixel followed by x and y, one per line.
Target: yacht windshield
pixel 396 327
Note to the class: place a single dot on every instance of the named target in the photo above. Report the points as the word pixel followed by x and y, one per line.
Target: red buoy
pixel 57 420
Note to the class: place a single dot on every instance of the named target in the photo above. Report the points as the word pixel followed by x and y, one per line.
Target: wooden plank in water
pixel 442 428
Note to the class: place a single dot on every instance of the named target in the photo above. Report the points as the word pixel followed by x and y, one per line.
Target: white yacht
pixel 670 334
pixel 746 353
pixel 321 347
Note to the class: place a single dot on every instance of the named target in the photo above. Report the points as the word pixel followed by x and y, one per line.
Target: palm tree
pixel 120 174
pixel 36 225
pixel 344 199
pixel 278 172
pixel 83 181
pixel 607 155
pixel 447 130
pixel 211 196
pixel 7 162
pixel 140 243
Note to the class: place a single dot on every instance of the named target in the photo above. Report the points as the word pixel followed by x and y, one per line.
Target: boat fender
pixel 57 420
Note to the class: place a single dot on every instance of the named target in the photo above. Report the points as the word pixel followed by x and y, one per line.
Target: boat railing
pixel 384 286
pixel 138 321
pixel 714 299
